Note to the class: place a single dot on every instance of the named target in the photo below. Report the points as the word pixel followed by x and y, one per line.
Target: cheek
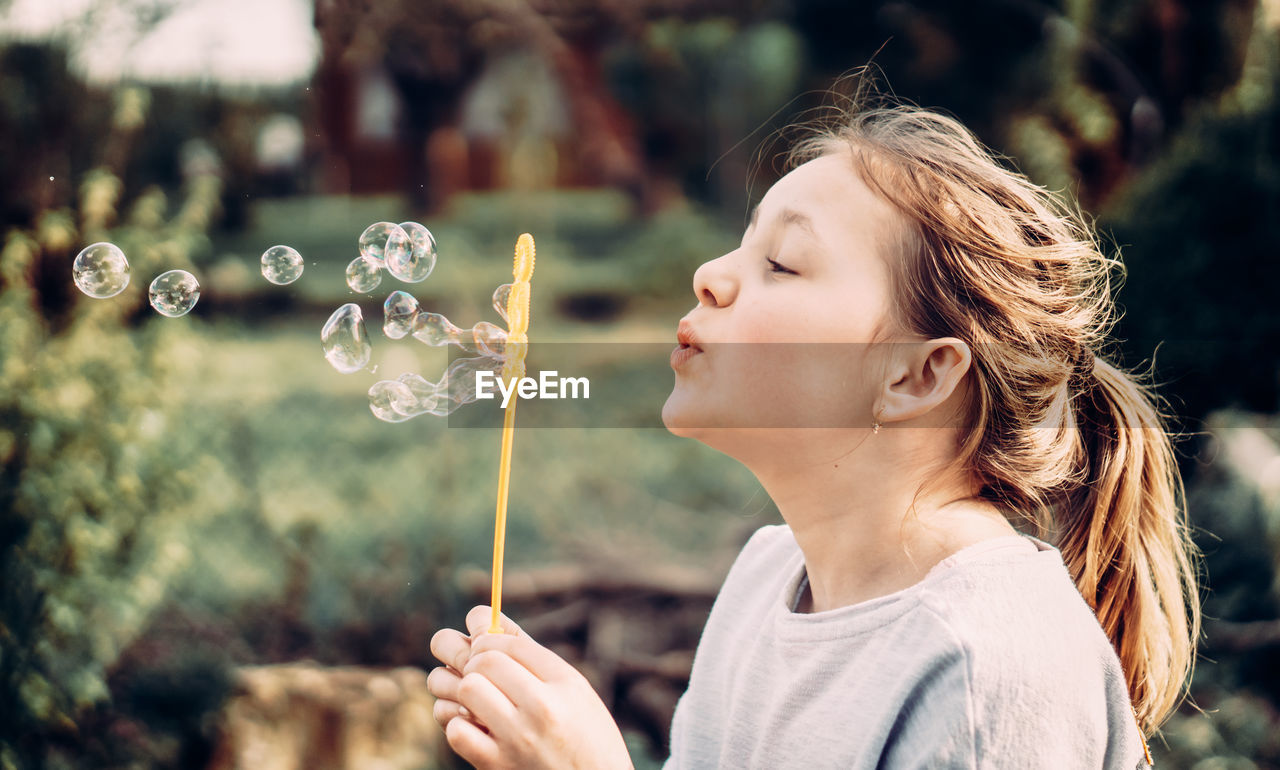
pixel 789 385
pixel 784 319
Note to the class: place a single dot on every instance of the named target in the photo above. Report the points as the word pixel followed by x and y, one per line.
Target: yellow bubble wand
pixel 512 370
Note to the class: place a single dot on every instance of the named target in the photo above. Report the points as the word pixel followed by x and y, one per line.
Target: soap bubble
pixel 407 396
pixel 364 275
pixel 383 395
pixel 380 238
pixel 281 265
pixel 344 339
pixel 460 378
pixel 101 270
pixel 434 329
pixel 399 313
pixel 420 396
pixel 411 394
pixel 500 297
pixel 490 338
pixel 484 339
pixel 415 263
pixel 174 293
pixel 423 391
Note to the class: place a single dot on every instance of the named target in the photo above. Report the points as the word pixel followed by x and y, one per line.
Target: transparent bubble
pixel 407 396
pixel 490 338
pixel 425 393
pixel 174 293
pixel 415 263
pixel 434 329
pixel 281 265
pixel 380 238
pixel 411 394
pixel 483 339
pixel 460 378
pixel 101 270
pixel 363 275
pixel 383 395
pixel 399 313
pixel 344 339
pixel 500 297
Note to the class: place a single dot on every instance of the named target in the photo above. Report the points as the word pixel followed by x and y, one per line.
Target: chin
pixel 690 417
pixel 678 418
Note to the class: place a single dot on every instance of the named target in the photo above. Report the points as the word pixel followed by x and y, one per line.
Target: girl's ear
pixel 922 377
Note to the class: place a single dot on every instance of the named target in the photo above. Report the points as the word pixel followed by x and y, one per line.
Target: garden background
pixel 211 553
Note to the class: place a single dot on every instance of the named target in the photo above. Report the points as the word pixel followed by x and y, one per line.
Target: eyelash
pixel 775 267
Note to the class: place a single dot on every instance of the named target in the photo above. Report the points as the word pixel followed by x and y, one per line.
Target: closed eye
pixel 775 267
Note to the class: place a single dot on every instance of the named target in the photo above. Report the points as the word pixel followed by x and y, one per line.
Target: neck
pixel 864 530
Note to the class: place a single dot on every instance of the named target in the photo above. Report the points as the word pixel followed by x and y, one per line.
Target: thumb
pixel 480 616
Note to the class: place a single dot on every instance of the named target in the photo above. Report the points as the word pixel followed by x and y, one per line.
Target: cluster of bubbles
pixel 101 271
pixel 411 395
pixel 403 317
pixel 408 252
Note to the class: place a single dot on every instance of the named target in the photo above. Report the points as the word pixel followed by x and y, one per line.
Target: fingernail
pixel 462 711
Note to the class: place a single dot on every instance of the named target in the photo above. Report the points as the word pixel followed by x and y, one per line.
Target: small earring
pixel 875 426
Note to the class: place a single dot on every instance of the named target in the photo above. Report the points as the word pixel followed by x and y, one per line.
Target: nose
pixel 714 284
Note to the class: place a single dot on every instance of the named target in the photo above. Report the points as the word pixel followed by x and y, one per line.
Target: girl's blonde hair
pixel 1055 434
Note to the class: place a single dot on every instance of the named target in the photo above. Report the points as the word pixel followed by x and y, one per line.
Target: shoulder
pixel 758 576
pixel 1020 612
pixel 1042 676
pixel 771 537
pixel 768 547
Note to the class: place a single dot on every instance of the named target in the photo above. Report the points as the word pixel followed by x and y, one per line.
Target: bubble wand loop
pixel 512 370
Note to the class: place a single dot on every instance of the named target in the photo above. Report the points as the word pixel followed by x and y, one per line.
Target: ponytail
pixel 1126 541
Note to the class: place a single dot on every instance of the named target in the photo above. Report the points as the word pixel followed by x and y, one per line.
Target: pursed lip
pixel 686 336
pixel 688 345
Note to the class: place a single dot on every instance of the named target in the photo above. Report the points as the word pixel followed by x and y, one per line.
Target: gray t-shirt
pixel 993 660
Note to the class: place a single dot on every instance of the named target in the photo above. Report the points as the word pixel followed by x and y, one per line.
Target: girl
pixel 899 619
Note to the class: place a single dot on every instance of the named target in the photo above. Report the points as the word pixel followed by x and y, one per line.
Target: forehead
pixel 846 215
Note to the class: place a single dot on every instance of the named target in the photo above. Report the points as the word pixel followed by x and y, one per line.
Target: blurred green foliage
pixel 702 87
pixel 1198 232
pixel 96 480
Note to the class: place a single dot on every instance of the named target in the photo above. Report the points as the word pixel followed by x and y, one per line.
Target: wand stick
pixel 512 370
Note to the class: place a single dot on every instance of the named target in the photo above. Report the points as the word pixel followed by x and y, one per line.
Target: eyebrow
pixel 787 217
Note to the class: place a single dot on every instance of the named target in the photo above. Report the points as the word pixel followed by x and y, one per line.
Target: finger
pixel 543 663
pixel 486 702
pixel 515 681
pixel 480 616
pixel 445 710
pixel 471 743
pixel 451 648
pixel 443 683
